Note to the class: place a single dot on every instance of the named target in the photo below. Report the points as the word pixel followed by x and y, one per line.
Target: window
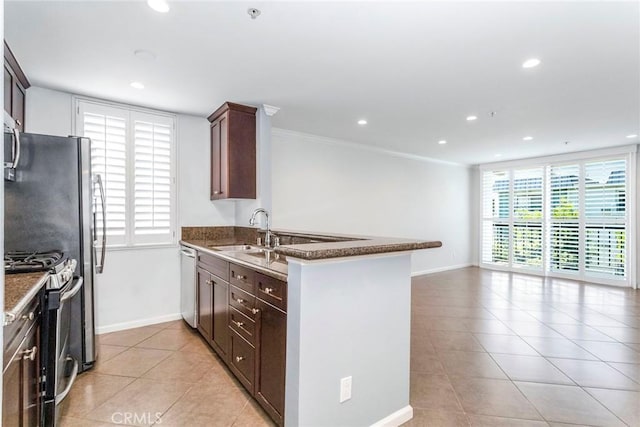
pixel 133 152
pixel 564 219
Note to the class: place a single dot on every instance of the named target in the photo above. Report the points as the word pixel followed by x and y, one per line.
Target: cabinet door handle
pixel 239 300
pixel 239 324
pixel 217 192
pixel 241 277
pixel 29 316
pixel 255 310
pixel 30 354
pixel 268 290
pixel 239 359
pixel 208 282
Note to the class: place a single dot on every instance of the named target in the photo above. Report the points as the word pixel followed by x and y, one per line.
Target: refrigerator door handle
pixel 16 153
pixel 15 150
pixel 103 202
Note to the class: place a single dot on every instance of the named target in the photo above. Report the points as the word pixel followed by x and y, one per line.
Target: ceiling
pixel 413 70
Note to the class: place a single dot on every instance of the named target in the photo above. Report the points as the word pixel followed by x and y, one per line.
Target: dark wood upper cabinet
pixel 15 88
pixel 233 152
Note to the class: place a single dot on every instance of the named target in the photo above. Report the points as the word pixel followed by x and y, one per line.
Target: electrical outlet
pixel 345 389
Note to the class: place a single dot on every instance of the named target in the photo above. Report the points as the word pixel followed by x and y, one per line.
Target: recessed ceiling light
pixel 442 142
pixel 362 122
pixel 471 118
pixel 158 5
pixel 633 135
pixel 530 63
pixel 527 138
pixel 146 55
pixel 498 155
pixel 137 85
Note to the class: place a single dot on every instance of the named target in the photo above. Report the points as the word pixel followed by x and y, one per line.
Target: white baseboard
pixel 399 417
pixel 137 323
pixel 439 269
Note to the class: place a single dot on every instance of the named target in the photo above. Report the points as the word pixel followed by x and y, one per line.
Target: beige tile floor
pixel 164 375
pixel 488 349
pixel 501 349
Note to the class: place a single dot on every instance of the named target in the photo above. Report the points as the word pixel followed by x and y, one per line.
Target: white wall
pixel 194 204
pixel 244 208
pixel 325 185
pixel 141 286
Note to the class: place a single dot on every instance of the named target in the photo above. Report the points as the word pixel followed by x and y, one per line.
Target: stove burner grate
pixel 31 261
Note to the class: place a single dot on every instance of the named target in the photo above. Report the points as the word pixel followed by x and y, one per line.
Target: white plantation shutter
pixel 565 220
pixel 495 217
pixel 134 153
pixel 527 217
pixel 106 127
pixel 606 217
pixel 564 217
pixel 152 182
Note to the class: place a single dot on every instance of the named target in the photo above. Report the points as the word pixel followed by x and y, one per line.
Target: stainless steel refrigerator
pixel 52 201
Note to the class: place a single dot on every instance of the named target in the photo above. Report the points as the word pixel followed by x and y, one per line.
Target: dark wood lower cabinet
pixel 242 361
pixel 220 338
pixel 272 345
pixel 205 300
pixel 21 383
pixel 249 333
pixel 12 393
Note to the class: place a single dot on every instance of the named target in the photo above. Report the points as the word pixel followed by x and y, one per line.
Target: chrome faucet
pixel 252 221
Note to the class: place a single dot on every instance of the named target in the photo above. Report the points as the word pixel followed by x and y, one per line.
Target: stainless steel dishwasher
pixel 188 294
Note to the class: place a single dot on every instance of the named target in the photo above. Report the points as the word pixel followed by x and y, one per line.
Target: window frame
pixel 132 112
pixel 628 153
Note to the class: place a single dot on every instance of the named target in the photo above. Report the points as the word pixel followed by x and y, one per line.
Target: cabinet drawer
pixel 272 290
pixel 243 301
pixel 242 325
pixel 243 360
pixel 214 265
pixel 242 277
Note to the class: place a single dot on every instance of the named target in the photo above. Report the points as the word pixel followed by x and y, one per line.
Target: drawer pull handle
pixel 241 277
pixel 239 359
pixel 30 354
pixel 268 290
pixel 239 300
pixel 29 316
pixel 9 318
pixel 255 310
pixel 239 324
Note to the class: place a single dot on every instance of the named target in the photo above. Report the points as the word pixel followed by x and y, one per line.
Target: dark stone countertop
pixel 363 246
pixel 20 288
pixel 325 246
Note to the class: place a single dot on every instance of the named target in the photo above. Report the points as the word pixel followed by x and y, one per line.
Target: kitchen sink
pixel 268 255
pixel 237 248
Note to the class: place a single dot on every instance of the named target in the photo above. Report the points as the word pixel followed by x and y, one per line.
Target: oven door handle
pixel 74 373
pixel 73 291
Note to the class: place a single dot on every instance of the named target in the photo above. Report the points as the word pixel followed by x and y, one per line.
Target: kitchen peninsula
pixel 344 304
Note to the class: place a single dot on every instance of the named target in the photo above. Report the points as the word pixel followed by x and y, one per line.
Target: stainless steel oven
pixel 60 367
